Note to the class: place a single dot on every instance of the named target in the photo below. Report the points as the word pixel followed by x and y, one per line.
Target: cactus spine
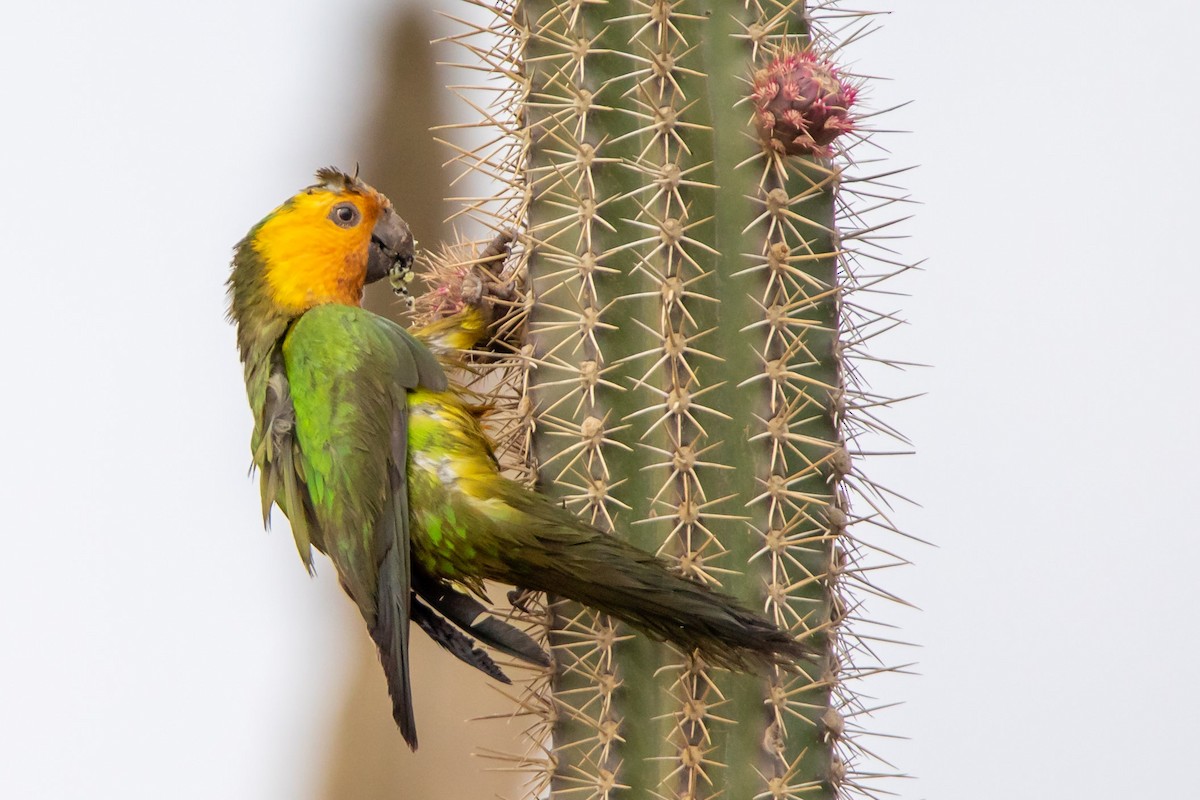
pixel 684 379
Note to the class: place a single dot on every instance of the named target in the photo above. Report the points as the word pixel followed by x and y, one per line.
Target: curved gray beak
pixel 391 247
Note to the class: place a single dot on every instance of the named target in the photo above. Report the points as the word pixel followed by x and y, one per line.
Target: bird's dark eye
pixel 345 215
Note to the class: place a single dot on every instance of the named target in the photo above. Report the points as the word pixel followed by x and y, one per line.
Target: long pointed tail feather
pixel 577 561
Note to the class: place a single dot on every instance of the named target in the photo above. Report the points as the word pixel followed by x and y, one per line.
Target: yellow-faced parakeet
pixel 378 463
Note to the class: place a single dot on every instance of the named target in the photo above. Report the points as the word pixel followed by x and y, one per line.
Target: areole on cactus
pixel 675 364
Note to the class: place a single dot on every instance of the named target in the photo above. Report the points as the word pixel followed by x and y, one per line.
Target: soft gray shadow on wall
pixel 398 154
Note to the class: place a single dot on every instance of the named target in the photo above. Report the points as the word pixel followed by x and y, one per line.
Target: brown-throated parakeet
pixel 378 463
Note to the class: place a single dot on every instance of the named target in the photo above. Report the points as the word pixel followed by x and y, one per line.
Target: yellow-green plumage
pixel 471 523
pixel 381 466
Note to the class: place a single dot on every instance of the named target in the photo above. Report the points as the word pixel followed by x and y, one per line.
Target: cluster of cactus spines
pixel 686 381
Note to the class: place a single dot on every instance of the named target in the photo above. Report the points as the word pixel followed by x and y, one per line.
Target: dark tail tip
pixel 402 714
pixel 390 633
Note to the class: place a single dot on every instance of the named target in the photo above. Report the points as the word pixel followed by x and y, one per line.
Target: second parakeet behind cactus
pixel 379 464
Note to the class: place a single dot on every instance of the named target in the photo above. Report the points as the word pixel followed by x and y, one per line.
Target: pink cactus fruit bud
pixel 445 277
pixel 801 105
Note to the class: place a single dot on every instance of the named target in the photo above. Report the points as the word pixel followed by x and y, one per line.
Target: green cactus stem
pixel 675 175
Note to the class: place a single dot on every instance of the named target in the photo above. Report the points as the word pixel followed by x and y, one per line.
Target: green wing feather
pixel 348 373
pixel 390 629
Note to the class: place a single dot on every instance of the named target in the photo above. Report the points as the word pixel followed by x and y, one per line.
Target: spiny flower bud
pixel 801 105
pixel 461 275
pixel 446 273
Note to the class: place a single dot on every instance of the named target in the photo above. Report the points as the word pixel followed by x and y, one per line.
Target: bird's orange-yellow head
pixel 326 242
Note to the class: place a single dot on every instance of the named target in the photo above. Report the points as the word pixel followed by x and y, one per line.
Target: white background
pixel 149 631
